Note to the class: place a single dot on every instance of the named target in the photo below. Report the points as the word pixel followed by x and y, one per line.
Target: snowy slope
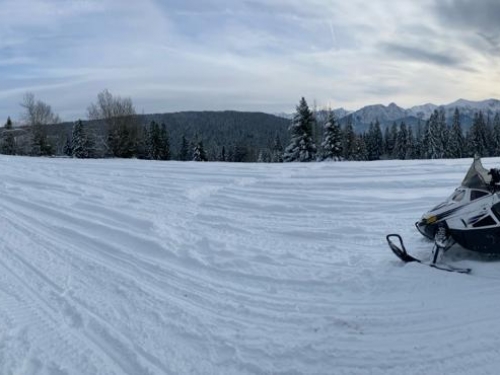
pixel 136 267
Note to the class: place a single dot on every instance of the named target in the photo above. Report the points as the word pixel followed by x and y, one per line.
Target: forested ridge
pixel 113 129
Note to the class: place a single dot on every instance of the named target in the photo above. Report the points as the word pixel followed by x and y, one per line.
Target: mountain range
pixel 391 113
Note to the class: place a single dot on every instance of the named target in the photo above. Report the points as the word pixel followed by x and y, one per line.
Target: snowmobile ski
pixel 401 253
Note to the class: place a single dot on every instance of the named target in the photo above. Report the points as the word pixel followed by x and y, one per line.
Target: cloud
pixel 471 14
pixel 249 54
pixel 472 22
pixel 445 58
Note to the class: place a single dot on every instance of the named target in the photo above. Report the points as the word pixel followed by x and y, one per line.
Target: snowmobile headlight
pixel 431 219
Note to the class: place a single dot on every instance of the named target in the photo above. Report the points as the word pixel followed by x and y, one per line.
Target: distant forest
pixel 113 129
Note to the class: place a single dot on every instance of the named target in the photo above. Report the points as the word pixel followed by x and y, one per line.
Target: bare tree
pixel 120 116
pixel 36 114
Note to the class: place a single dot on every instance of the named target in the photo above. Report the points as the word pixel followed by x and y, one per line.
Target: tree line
pixel 113 129
pixel 432 139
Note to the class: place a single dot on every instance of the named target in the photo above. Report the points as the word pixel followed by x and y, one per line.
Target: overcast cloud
pixel 263 55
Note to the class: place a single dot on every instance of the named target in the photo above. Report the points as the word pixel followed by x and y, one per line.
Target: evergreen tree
pixel 153 141
pixel 264 156
pixel 400 146
pixel 277 150
pixel 390 142
pixel 240 152
pixel 301 147
pixel 387 136
pixel 199 152
pixel 143 145
pixel 40 145
pixel 123 140
pixel 410 145
pixel 418 150
pixel 437 135
pixel 331 147
pixel 443 131
pixel 369 141
pixel 349 145
pixel 8 124
pixel 377 140
pixel 67 147
pixel 90 144
pixel 456 141
pixel 490 143
pixel 359 151
pixel 8 140
pixel 164 145
pixel 184 153
pixel 496 135
pixel 478 136
pixel 78 141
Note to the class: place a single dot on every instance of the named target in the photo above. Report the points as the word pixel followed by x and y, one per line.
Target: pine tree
pixel 301 147
pixel 40 145
pixel 436 136
pixel 67 147
pixel 443 132
pixel 400 146
pixel 8 140
pixel 349 144
pixel 387 142
pixel 418 141
pixel 478 136
pixel 78 141
pixel 331 147
pixel 490 143
pixel 277 150
pixel 90 144
pixel 158 142
pixel 264 156
pixel 239 152
pixel 199 152
pixel 410 145
pixel 359 151
pixel 391 136
pixel 153 141
pixel 164 144
pixel 496 135
pixel 377 141
pixel 184 154
pixel 456 141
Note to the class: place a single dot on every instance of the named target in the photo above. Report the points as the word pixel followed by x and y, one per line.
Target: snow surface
pixel 139 267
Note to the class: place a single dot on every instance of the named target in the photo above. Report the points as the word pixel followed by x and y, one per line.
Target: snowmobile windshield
pixel 477 176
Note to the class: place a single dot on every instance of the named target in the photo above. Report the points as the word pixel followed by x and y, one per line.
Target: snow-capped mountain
pixel 391 113
pixel 378 112
pixel 469 107
pixel 422 111
pixel 341 112
pixel 386 115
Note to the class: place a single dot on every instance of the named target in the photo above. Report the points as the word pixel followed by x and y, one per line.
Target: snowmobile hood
pixel 475 185
pixel 477 176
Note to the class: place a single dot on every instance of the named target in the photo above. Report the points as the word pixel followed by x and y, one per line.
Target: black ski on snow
pixel 401 253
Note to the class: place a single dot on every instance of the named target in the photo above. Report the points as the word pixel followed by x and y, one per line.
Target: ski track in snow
pixel 137 267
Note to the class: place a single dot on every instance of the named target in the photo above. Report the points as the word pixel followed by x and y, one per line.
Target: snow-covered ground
pixel 136 267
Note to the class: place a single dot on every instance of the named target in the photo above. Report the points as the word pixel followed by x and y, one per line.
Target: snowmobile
pixel 470 217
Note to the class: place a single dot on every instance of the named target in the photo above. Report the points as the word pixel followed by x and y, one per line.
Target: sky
pixel 257 55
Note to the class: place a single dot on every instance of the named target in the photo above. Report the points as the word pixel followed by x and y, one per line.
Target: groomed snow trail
pixel 136 267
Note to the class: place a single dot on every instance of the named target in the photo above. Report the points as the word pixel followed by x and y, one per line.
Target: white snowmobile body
pixel 471 215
